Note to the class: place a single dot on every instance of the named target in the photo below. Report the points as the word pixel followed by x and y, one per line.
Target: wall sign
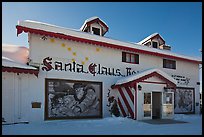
pixel 36 104
pixel 182 80
pixel 93 69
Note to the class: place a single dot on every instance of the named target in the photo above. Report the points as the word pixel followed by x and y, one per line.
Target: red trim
pixel 169 83
pixel 157 75
pixel 126 102
pixel 141 79
pixel 153 82
pixel 121 108
pixel 20 29
pixel 20 70
pixel 130 93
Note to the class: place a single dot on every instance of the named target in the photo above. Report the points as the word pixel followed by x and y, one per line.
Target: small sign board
pixel 36 104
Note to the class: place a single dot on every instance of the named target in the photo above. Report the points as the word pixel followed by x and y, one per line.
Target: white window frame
pixel 97 28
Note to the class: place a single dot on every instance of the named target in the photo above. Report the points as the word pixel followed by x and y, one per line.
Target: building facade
pixel 81 74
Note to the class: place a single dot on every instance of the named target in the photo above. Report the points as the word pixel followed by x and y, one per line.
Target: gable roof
pixel 142 75
pixel 79 36
pixel 150 37
pixel 92 20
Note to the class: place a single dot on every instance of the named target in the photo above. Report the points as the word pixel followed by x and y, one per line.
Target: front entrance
pixel 158 105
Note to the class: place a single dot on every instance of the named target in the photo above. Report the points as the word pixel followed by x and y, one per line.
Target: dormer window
pixel 154 44
pixel 94 25
pixel 155 41
pixel 96 31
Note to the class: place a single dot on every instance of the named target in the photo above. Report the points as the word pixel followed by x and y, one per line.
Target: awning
pixel 145 74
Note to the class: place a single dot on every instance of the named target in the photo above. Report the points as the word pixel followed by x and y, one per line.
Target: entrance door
pixel 167 105
pixel 147 106
pixel 156 105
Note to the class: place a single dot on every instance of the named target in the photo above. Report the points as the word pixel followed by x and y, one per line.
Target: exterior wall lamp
pixel 139 87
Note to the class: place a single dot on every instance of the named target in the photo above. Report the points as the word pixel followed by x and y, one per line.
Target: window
pixel 96 31
pixel 154 44
pixel 130 58
pixel 171 64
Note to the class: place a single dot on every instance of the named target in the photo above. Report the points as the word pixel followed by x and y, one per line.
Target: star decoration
pixel 73 60
pixel 74 53
pixel 63 45
pixel 69 49
pixel 52 40
pixel 97 49
pixel 82 62
pixel 86 58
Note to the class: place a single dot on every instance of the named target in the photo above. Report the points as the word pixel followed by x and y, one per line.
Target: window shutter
pixel 123 57
pixel 136 58
pixel 174 64
pixel 164 63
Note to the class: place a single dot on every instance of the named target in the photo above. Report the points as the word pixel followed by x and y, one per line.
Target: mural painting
pixel 184 100
pixel 72 99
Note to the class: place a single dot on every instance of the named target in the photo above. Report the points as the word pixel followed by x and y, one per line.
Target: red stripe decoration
pixel 130 93
pixel 141 79
pixel 20 70
pixel 126 102
pixel 20 29
pixel 121 108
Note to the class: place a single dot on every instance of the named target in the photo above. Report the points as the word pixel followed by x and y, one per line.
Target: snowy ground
pixel 108 126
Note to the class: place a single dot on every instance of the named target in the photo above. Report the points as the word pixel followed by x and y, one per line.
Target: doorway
pixel 156 105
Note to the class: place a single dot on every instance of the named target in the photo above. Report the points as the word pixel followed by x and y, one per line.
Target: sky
pixel 179 23
pixel 108 126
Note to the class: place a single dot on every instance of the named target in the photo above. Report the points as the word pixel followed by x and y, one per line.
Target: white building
pixel 81 72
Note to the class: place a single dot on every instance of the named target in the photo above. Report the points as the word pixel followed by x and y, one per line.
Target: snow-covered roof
pixel 83 35
pixel 149 37
pixel 6 62
pixel 90 19
pixel 142 74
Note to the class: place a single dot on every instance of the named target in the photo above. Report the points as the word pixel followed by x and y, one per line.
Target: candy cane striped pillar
pixel 126 101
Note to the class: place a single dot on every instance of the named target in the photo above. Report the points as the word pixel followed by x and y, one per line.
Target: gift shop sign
pixel 93 68
pixel 182 80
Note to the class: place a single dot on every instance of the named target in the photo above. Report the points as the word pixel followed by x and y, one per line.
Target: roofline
pixel 151 73
pixel 169 83
pixel 156 34
pixel 20 29
pixel 20 70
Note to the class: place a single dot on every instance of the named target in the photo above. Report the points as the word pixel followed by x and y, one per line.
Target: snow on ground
pixel 107 126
